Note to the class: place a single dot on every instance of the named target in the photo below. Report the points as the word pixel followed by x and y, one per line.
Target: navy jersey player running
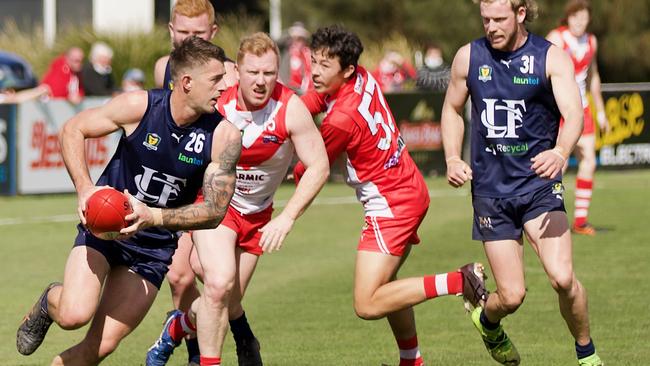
pixel 520 85
pixel 172 143
pixel 196 18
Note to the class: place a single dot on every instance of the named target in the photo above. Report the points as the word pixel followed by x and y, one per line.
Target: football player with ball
pixel 172 144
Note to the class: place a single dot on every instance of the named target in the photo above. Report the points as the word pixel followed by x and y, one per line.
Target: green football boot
pixel 496 341
pixel 592 360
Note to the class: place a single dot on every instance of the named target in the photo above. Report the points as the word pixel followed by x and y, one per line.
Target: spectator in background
pixel 296 60
pixel 97 73
pixel 434 73
pixel 62 77
pixel 133 79
pixel 393 72
pixel 582 46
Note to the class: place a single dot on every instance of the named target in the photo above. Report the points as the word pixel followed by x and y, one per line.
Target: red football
pixel 105 212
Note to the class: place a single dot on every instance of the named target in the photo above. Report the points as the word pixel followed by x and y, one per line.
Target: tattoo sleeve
pixel 218 188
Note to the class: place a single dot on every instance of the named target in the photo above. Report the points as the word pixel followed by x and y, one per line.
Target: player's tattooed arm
pixel 218 188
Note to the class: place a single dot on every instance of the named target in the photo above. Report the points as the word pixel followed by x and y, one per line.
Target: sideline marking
pixel 326 201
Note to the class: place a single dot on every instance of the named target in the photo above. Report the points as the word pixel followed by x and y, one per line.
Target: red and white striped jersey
pixel 266 148
pixel 379 167
pixel 582 51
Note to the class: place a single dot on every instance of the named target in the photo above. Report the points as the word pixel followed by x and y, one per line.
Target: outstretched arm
pixel 311 152
pixel 452 123
pixel 218 188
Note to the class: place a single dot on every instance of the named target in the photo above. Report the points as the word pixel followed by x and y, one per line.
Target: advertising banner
pixel 7 150
pixel 418 117
pixel 40 166
pixel 627 142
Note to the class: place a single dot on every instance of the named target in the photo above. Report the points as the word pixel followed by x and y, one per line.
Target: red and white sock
pixel 450 283
pixel 409 353
pixel 584 189
pixel 181 327
pixel 210 361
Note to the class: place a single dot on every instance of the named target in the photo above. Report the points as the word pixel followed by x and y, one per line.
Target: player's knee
pixel 512 299
pixel 180 279
pixel 217 289
pixel 563 282
pixel 70 318
pixel 366 311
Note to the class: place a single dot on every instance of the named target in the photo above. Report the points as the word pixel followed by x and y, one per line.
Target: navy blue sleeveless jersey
pixel 514 116
pixel 160 163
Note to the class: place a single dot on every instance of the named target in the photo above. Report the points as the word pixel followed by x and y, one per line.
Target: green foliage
pixel 622 26
pixel 130 49
pixel 299 302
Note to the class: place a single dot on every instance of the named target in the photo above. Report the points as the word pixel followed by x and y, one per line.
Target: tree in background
pixel 622 26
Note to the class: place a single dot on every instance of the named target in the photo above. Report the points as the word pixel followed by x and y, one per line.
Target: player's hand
pixel 274 232
pixel 548 163
pixel 82 200
pixel 142 217
pixel 458 172
pixel 603 122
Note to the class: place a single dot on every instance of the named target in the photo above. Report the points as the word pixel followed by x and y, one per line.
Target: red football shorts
pixel 247 228
pixel 390 235
pixel 589 127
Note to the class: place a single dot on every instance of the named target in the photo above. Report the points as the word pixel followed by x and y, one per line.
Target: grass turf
pixel 300 299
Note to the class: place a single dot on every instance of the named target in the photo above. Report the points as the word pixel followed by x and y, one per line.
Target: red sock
pixel 450 283
pixel 210 361
pixel 180 327
pixel 584 189
pixel 409 353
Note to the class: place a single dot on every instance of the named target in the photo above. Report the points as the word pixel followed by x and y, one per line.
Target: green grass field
pixel 300 300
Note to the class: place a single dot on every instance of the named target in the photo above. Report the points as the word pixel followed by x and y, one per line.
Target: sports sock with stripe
pixel 210 361
pixel 584 190
pixel 409 352
pixel 450 283
pixel 180 327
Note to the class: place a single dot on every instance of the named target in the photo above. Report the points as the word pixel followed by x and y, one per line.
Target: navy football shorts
pixel 504 218
pixel 150 262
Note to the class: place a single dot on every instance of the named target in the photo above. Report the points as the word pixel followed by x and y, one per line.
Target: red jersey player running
pixel 388 183
pixel 572 36
pixel 273 122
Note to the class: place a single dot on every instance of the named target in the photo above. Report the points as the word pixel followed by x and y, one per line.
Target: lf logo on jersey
pixel 514 117
pixel 152 181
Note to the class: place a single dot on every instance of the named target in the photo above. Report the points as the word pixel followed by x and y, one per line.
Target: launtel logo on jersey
pixel 526 80
pixel 151 141
pixel 189 160
pixel 485 73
